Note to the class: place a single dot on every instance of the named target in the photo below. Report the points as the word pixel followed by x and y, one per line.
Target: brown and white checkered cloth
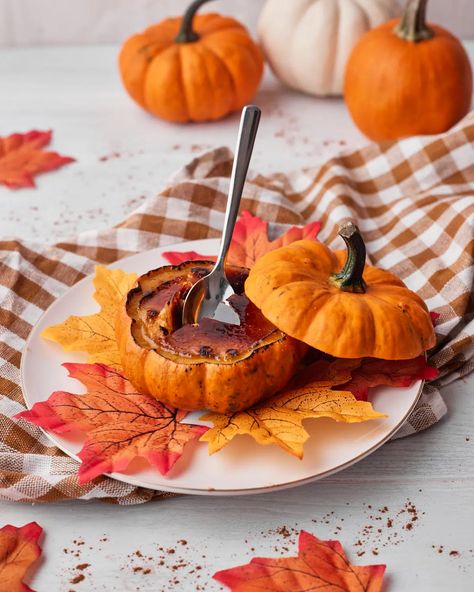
pixel 413 201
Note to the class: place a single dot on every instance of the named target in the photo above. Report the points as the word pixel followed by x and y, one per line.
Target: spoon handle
pixel 243 152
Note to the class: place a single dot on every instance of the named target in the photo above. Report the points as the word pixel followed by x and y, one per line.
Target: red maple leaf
pixel 22 156
pixel 19 549
pixel 372 372
pixel 320 565
pixel 120 423
pixel 249 242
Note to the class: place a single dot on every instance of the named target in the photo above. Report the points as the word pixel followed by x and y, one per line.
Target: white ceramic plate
pixel 243 466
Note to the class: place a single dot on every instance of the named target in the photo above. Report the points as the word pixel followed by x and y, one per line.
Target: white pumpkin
pixel 307 42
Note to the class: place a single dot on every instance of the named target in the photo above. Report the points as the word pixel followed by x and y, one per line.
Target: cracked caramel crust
pixel 155 305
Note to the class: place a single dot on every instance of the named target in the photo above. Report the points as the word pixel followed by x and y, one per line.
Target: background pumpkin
pixel 195 68
pixel 307 42
pixel 353 312
pixel 419 83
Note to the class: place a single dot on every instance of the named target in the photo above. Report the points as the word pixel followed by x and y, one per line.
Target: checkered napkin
pixel 413 201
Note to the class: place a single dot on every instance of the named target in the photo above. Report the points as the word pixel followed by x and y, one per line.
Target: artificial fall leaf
pixel 278 420
pixel 19 549
pixel 319 565
pixel 95 334
pixel 249 242
pixel 120 423
pixel 22 156
pixel 372 372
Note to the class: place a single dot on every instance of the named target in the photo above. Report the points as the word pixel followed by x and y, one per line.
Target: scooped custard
pixel 209 365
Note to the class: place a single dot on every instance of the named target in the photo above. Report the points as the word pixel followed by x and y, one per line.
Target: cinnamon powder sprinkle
pixel 82 566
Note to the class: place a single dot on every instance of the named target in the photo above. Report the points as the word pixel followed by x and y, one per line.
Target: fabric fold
pixel 413 201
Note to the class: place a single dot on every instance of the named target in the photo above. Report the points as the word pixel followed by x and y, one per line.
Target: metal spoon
pixel 208 296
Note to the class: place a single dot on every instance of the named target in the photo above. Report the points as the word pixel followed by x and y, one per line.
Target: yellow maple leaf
pixel 95 334
pixel 279 420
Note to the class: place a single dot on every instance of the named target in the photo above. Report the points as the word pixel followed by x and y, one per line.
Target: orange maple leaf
pixel 120 423
pixel 19 549
pixel 22 156
pixel 319 565
pixel 279 419
pixel 95 333
pixel 249 242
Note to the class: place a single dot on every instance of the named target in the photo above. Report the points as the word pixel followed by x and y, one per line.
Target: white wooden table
pixel 370 507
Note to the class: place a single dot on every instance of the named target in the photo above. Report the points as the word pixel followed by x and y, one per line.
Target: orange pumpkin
pixel 407 77
pixel 337 304
pixel 194 68
pixel 212 365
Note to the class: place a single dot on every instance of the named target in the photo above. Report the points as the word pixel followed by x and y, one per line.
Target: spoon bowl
pixel 209 296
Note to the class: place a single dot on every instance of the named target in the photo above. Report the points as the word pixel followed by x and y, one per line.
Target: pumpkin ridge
pixel 148 85
pixel 202 21
pixel 295 321
pixel 181 79
pixel 340 305
pixel 251 56
pixel 152 44
pixel 293 80
pixel 334 54
pixel 232 27
pixel 224 65
pixel 205 68
pixel 391 303
pixel 413 295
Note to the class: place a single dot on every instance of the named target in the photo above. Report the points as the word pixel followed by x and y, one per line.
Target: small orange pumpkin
pixel 212 365
pixel 406 77
pixel 194 68
pixel 353 312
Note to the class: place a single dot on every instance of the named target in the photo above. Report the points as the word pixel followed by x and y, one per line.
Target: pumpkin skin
pixel 201 73
pixel 307 43
pixel 419 83
pixel 299 290
pixel 192 367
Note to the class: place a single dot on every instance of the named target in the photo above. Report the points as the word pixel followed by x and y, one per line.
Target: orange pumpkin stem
pixel 186 33
pixel 350 279
pixel 412 26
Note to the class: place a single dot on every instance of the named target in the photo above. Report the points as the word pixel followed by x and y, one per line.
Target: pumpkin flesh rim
pixel 163 348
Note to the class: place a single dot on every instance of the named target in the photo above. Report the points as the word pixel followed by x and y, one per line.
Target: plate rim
pixel 130 479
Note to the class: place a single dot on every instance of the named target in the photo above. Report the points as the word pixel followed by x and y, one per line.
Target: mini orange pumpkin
pixel 405 78
pixel 353 312
pixel 212 365
pixel 194 68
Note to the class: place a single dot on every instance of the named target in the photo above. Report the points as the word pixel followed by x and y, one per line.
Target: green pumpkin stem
pixel 350 278
pixel 186 33
pixel 412 26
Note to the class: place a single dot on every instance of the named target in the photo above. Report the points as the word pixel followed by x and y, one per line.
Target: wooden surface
pixel 418 492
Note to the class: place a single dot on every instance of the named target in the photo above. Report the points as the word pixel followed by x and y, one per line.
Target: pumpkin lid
pixel 155 307
pixel 336 303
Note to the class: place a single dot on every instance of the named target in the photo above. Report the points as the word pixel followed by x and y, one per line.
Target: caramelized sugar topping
pixel 156 306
